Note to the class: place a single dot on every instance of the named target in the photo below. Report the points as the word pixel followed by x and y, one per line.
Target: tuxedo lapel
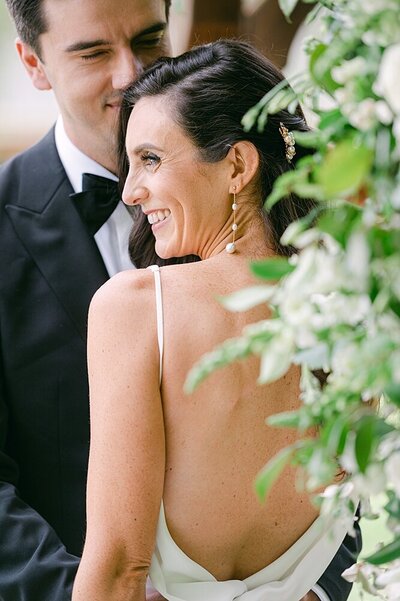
pixel 51 230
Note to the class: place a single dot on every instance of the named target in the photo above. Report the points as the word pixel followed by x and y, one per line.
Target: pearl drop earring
pixel 231 246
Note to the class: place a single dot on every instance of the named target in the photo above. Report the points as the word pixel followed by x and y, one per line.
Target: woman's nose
pixel 134 195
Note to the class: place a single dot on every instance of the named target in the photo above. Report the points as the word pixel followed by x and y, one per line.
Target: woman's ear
pixel 245 162
pixel 33 65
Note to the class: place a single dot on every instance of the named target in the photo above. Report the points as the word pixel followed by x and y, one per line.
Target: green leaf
pixel 281 100
pixel 249 119
pixel 344 169
pixel 287 6
pixel 271 471
pixel 246 299
pixel 381 428
pixel 285 419
pixel 340 221
pixel 364 442
pixel 329 118
pixel 336 436
pixel 283 186
pixel 393 392
pixel 229 351
pixel 272 269
pixel 308 139
pixel 388 553
pixel 308 190
pixel 318 69
pixel 393 505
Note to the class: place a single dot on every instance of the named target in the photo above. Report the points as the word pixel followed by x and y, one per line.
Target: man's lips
pixel 114 104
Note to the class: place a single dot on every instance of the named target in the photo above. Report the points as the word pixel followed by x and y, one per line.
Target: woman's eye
pixel 150 160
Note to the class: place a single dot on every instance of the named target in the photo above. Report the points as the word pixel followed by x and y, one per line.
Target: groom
pixel 55 252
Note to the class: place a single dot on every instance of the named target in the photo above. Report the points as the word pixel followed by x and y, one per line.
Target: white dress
pixel 288 578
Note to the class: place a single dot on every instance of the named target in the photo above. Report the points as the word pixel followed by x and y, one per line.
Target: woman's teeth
pixel 158 216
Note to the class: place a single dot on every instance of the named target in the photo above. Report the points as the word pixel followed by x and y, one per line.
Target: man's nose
pixel 126 69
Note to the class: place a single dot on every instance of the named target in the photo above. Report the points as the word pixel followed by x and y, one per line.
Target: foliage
pixel 336 302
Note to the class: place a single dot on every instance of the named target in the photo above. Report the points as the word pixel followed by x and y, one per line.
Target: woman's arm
pixel 127 449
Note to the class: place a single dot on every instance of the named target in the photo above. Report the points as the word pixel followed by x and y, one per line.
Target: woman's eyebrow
pixel 144 146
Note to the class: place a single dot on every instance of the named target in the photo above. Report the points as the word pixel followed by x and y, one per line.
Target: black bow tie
pixel 97 201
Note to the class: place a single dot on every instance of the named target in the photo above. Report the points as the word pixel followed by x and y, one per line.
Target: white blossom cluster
pixel 335 305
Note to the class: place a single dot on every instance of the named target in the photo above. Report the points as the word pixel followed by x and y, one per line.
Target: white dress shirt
pixel 112 238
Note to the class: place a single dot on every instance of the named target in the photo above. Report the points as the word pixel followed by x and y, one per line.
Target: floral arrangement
pixel 336 302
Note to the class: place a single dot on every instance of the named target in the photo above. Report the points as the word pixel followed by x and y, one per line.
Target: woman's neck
pixel 251 239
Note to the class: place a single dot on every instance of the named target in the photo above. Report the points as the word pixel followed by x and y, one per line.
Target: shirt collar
pixel 74 161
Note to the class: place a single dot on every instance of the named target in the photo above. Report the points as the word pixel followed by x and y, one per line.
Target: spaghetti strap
pixel 159 311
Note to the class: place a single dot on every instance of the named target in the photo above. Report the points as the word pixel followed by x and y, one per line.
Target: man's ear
pixel 33 65
pixel 245 162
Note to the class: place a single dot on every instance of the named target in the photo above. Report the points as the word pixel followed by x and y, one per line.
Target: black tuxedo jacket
pixel 49 269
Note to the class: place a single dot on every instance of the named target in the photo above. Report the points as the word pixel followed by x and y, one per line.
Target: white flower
pixel 387 84
pixel 276 359
pixel 364 115
pixel 348 459
pixel 389 576
pixel 310 387
pixel 295 234
pixel 392 469
pixel 383 112
pixel 335 308
pixel 392 591
pixel 349 69
pixel 388 445
pixel 292 232
pixel 344 96
pixel 362 573
pixel 370 38
pixel 351 574
pixel 345 363
pixel 373 482
pixel 371 7
pixel 357 260
pixel 387 581
pixel 396 198
pixel 396 130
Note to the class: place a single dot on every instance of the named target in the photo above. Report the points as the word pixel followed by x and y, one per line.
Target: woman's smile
pixel 158 218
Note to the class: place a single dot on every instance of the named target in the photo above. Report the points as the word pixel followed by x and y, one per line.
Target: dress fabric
pixel 178 578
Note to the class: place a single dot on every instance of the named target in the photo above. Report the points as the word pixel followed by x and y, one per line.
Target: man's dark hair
pixel 30 21
pixel 209 89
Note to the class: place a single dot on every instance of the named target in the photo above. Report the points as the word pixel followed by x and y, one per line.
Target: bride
pixel 170 485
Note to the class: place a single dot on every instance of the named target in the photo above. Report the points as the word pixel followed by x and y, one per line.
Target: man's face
pixel 92 49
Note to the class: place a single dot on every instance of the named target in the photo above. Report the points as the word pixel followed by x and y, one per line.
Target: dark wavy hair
pixel 209 89
pixel 30 20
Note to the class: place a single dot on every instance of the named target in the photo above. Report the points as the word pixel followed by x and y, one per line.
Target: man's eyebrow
pixel 79 46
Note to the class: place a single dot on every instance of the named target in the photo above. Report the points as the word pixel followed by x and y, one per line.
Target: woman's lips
pixel 156 226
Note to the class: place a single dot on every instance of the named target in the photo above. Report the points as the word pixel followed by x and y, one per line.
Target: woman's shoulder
pixel 124 299
pixel 124 284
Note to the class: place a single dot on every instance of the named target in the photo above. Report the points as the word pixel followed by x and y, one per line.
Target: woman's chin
pixel 163 252
pixel 168 253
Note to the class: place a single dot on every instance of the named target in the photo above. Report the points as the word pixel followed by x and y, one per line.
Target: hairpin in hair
pixel 288 138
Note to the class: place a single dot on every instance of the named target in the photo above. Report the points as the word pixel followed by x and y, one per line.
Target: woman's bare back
pixel 216 438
